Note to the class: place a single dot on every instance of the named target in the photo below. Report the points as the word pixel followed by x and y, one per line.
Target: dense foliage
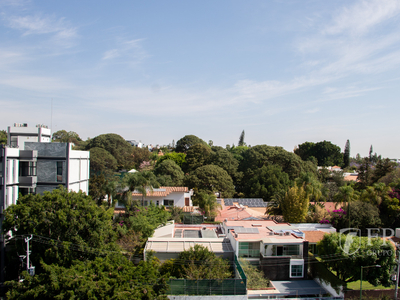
pixel 197 263
pixel 115 144
pixel 112 277
pixel 63 217
pixel 360 251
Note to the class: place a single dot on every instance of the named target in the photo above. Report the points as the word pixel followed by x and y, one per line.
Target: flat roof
pixel 298 287
pixel 179 245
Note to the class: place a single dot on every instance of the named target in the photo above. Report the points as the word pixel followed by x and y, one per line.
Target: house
pixel 170 240
pixel 280 249
pixel 314 233
pixel 30 163
pixel 167 196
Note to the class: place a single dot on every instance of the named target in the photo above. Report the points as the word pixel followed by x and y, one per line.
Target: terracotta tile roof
pixel 352 177
pixel 232 213
pixel 330 206
pixel 162 191
pixel 314 236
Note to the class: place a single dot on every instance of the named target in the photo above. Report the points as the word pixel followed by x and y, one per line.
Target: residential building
pixel 165 195
pixel 280 249
pixel 30 163
pixel 170 240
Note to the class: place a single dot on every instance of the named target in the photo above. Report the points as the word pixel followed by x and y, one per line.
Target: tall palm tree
pixel 111 189
pixel 142 182
pixel 346 194
pixel 207 203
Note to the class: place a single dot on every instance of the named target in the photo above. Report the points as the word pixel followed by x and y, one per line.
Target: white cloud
pixel 360 18
pixel 130 51
pixel 59 29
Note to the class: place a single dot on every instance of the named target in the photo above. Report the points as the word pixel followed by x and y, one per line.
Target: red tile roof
pixel 314 236
pixel 163 191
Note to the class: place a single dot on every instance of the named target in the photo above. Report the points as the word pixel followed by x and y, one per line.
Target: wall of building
pixel 275 268
pixel 178 197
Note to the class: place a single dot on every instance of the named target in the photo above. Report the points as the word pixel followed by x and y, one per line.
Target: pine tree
pixel 346 155
pixel 241 139
pixel 370 153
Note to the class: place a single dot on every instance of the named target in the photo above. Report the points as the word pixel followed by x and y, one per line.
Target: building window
pixel 296 271
pixel 27 168
pixel 249 249
pixel 158 203
pixel 168 203
pixel 287 250
pixel 59 171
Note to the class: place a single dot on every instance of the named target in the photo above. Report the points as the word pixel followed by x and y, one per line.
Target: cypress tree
pixel 241 139
pixel 346 155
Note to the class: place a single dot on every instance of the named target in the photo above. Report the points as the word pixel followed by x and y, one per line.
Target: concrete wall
pixel 49 149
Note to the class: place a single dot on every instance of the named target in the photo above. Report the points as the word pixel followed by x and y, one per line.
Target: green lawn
pixel 355 285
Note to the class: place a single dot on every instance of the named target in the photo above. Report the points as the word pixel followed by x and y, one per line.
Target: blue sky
pixel 284 71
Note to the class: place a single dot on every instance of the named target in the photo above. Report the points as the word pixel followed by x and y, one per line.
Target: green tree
pixel 186 142
pixel 117 146
pixel 224 159
pixel 263 155
pixel 112 277
pixel 169 173
pixel 3 137
pixel 63 136
pixel 255 278
pixel 295 205
pixel 211 179
pixel 364 174
pixel 382 168
pixel 326 153
pixel 142 182
pixel 197 156
pixel 238 152
pixel 111 189
pixel 178 158
pixel 96 188
pixel 346 194
pixel 207 203
pixel 140 155
pixel 361 252
pixel 102 161
pixel 200 263
pixel 346 155
pixel 267 181
pixel 63 217
pixel 241 140
pixel 141 220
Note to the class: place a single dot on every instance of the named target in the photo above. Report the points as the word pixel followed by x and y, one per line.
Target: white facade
pixel 30 163
pixel 21 133
pixel 167 196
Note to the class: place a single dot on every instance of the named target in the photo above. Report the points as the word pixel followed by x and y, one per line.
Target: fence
pixel 230 286
pixel 192 219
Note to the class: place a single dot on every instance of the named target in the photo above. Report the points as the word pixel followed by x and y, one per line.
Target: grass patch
pixel 355 285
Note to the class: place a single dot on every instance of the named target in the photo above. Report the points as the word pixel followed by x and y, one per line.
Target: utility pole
pixel 27 239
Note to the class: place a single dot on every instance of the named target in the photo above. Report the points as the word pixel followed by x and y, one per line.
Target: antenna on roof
pixel 51 116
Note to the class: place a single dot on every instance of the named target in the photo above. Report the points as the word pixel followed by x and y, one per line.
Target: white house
pixel 165 195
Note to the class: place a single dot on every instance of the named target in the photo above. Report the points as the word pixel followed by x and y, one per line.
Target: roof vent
pixel 287 233
pixel 271 233
pixel 280 233
pixel 256 225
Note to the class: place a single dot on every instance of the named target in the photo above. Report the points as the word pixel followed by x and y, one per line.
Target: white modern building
pixel 30 163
